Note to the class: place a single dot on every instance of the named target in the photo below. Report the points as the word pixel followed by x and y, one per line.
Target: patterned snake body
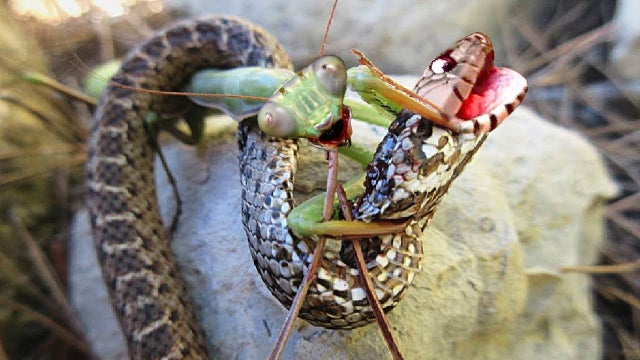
pixel 413 168
pixel 143 280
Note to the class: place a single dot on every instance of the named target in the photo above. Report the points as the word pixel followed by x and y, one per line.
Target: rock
pixel 400 36
pixel 529 203
pixel 627 48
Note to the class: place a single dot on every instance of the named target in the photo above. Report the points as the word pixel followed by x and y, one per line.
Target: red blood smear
pixel 340 133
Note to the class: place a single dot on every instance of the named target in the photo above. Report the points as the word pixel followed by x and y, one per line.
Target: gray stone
pixel 399 36
pixel 529 203
pixel 627 46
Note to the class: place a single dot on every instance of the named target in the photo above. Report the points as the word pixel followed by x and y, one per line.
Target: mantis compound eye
pixel 331 74
pixel 274 120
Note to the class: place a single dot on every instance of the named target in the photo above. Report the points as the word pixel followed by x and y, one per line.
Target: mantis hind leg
pixel 193 117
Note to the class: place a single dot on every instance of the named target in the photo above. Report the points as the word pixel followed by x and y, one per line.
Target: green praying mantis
pixel 311 104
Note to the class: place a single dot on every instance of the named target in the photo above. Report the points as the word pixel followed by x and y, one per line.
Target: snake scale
pixel 412 169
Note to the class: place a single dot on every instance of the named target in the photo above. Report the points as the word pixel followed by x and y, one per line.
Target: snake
pixel 412 169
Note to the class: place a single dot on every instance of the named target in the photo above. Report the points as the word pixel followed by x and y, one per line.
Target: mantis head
pixel 310 104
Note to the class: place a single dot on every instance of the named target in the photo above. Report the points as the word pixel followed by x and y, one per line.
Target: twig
pixel 3 354
pixel 78 133
pixel 59 330
pixel 40 79
pixel 76 159
pixel 45 272
pixel 604 269
pixel 630 344
pixel 20 280
pixel 617 293
pixel 570 49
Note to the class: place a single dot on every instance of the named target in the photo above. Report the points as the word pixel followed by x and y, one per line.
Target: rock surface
pixel 393 34
pixel 627 48
pixel 529 203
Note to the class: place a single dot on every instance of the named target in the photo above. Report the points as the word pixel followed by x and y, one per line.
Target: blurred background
pixel 580 57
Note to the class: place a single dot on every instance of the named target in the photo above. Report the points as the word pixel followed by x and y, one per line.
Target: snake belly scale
pixel 412 169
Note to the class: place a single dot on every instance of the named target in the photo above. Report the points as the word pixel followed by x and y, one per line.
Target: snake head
pixel 464 83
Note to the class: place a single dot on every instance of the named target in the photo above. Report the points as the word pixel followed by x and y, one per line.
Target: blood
pixel 340 133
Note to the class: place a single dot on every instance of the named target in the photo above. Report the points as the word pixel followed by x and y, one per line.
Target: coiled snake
pixel 413 168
